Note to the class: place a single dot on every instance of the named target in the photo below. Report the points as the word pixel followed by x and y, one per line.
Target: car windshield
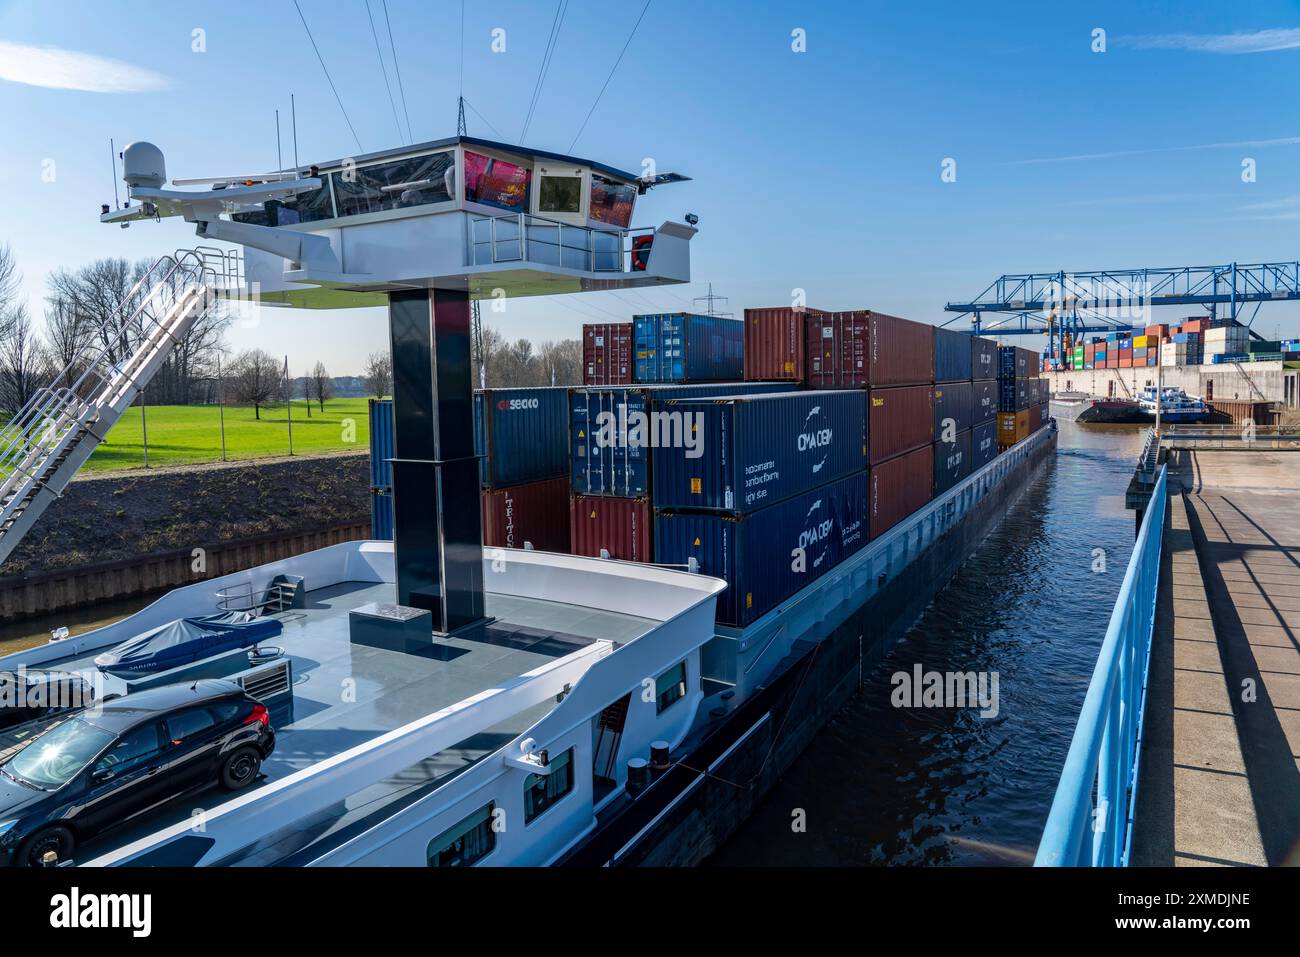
pixel 55 757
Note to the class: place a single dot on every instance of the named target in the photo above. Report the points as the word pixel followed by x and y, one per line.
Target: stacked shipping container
pixel 681 347
pixel 607 353
pixel 1022 395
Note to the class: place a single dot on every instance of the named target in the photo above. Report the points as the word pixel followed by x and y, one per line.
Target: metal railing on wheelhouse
pixel 1091 820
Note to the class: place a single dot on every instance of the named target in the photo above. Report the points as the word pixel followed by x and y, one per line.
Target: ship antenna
pixel 112 158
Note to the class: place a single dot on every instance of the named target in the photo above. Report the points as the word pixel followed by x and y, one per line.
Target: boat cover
pixel 186 640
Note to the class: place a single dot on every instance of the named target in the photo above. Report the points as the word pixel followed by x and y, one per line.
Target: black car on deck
pixel 123 757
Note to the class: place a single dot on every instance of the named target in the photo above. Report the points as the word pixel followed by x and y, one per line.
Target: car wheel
pixel 53 840
pixel 240 769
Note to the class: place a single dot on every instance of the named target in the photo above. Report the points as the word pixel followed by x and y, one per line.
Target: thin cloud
pixel 59 69
pixel 1147 151
pixel 1261 41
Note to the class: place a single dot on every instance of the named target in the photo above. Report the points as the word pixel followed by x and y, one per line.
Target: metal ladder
pixel 50 437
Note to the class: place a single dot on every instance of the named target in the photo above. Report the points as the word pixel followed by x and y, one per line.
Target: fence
pixel 1091 821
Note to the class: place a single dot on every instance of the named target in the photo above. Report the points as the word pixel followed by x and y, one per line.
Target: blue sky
pixel 818 170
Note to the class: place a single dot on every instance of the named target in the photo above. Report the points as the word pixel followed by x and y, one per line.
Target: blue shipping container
pixel 953 400
pixel 753 451
pixel 983 444
pixel 984 358
pixel 984 400
pixel 381 443
pixel 758 554
pixel 520 435
pixel 952 461
pixel 616 460
pixel 682 347
pixel 952 355
pixel 381 514
pixel 1013 395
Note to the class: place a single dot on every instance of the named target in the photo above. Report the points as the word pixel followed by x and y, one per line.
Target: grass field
pixel 183 434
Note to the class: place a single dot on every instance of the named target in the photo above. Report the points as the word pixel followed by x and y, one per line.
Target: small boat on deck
pixel 184 641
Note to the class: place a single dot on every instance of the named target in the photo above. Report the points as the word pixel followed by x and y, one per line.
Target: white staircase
pixel 45 443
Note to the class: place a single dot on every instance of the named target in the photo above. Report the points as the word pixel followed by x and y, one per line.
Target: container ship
pixel 594 623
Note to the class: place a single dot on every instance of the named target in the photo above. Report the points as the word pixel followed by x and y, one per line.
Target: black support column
pixel 437 535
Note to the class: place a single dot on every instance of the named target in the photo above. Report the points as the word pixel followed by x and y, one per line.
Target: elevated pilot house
pixel 469 214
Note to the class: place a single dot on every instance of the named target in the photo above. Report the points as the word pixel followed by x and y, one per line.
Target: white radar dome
pixel 143 165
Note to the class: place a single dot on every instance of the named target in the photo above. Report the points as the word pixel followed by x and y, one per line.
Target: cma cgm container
pixel 1013 395
pixel 681 347
pixel 607 353
pixel 853 350
pixel 983 358
pixel 983 443
pixel 754 451
pixel 521 435
pixel 381 445
pixel 612 432
pixel 617 526
pixel 953 401
pixel 984 400
pixel 899 420
pixel 1015 363
pixel 899 487
pixel 775 343
pixel 757 554
pixel 952 461
pixel 953 356
pixel 537 513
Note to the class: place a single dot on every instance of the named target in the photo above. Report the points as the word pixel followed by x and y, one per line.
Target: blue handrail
pixel 1091 821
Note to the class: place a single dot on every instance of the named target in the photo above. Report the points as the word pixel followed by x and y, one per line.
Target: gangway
pixel 55 432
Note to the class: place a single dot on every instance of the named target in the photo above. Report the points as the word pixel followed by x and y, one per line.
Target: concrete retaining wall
pixel 126 534
pixel 1249 381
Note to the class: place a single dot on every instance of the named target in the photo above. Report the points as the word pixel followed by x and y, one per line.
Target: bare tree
pixel 319 385
pixel 379 374
pixel 256 379
pixel 24 363
pixel 10 287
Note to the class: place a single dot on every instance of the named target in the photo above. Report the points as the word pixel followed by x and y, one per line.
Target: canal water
pixel 917 786
pixel 30 632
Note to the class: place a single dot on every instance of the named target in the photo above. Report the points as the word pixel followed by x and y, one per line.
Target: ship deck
pixel 345 694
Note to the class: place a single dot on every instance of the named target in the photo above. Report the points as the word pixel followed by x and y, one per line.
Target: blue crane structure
pixel 1108 300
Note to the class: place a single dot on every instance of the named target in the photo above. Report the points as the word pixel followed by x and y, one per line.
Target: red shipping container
pixel 536 513
pixel 621 526
pixel 1035 418
pixel 899 487
pixel 775 343
pixel 899 420
pixel 1195 325
pixel 1126 362
pixel 837 350
pixel 853 350
pixel 1161 330
pixel 607 353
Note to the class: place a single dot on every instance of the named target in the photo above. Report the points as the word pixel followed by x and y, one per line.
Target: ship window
pixel 303 208
pixel 494 182
pixel 467 842
pixel 418 181
pixel 541 791
pixel 611 202
pixel 670 687
pixel 560 194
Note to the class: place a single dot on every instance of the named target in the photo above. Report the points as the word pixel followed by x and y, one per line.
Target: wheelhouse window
pixel 468 842
pixel 495 182
pixel 559 194
pixel 303 208
pixel 416 181
pixel 541 791
pixel 611 202
pixel 670 687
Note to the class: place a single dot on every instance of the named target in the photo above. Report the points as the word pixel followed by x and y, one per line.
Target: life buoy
pixel 641 252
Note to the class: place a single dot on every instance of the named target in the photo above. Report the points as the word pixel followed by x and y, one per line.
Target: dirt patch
pixel 115 516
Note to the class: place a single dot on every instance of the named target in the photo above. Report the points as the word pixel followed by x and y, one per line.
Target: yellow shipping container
pixel 1013 427
pixel 1145 342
